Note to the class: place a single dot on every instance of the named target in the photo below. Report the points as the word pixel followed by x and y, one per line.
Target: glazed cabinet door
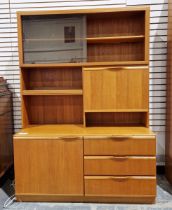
pixel 115 88
pixel 49 166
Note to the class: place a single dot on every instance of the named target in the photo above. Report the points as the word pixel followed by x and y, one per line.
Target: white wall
pixel 158 49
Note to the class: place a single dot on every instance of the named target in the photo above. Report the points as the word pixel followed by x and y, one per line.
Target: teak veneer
pixel 85 107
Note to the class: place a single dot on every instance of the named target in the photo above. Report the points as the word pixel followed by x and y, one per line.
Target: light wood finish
pixel 168 142
pixel 112 39
pixel 84 11
pixel 119 165
pixel 48 166
pixel 147 29
pixel 93 199
pixel 115 89
pixel 87 118
pixel 52 92
pixel 119 185
pixel 115 110
pixel 54 65
pixel 54 131
pixel 120 145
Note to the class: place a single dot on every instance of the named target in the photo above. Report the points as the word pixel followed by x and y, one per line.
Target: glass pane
pixel 54 39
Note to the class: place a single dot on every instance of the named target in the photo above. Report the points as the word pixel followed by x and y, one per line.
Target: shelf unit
pixel 85 100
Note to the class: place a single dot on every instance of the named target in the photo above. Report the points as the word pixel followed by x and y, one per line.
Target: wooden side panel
pixel 119 146
pixel 49 166
pixel 123 165
pixel 120 186
pixel 168 146
pixel 115 89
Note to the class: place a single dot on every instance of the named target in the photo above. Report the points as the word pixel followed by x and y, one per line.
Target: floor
pixel 164 201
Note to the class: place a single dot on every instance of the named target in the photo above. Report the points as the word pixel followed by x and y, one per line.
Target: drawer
pixel 120 145
pixel 119 165
pixel 120 186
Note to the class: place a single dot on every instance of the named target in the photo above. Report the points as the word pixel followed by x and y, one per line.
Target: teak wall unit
pixel 85 107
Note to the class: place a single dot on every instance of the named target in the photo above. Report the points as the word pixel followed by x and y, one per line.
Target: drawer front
pixel 113 165
pixel 120 186
pixel 120 145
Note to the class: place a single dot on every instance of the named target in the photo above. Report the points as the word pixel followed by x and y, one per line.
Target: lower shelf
pixel 135 118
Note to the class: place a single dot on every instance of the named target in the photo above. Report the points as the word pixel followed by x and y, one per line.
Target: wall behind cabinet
pixel 158 39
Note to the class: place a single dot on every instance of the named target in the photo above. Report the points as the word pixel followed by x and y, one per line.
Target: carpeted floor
pixel 164 201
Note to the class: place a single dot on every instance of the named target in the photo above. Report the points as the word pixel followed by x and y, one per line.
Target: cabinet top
pixel 84 11
pixel 53 131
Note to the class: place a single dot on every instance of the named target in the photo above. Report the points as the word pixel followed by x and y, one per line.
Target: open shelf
pixel 52 92
pixel 112 39
pixel 125 51
pixel 117 24
pixel 56 81
pixel 115 118
pixel 53 109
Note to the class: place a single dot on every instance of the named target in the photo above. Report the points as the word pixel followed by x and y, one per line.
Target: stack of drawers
pixel 120 166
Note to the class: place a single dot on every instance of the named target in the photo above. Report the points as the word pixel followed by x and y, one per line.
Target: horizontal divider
pixel 115 68
pixel 117 177
pixel 115 110
pixel 110 157
pixel 45 65
pixel 52 92
pixel 111 39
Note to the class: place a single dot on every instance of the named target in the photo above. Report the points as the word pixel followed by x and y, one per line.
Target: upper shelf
pixel 113 39
pixel 100 39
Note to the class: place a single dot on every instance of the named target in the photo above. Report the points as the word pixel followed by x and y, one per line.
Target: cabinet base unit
pixel 68 163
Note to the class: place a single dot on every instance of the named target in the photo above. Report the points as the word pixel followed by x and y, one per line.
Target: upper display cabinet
pixel 84 37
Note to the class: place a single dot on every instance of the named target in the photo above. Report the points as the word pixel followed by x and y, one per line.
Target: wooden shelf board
pixel 116 110
pixel 52 92
pixel 53 131
pixel 113 39
pixel 84 64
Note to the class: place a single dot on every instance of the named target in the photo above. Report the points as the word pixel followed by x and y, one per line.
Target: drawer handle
pixel 118 137
pixel 120 178
pixel 69 138
pixel 119 158
pixel 115 68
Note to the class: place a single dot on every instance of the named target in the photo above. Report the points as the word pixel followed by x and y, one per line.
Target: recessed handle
pixel 119 158
pixel 69 138
pixel 120 178
pixel 115 68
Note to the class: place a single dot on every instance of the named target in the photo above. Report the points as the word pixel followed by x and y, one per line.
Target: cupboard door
pixel 49 166
pixel 115 88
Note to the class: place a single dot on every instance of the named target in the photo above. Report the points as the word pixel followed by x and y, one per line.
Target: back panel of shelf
pixel 52 78
pixel 53 110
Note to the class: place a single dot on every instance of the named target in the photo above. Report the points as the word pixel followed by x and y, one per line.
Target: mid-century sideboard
pixel 85 107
